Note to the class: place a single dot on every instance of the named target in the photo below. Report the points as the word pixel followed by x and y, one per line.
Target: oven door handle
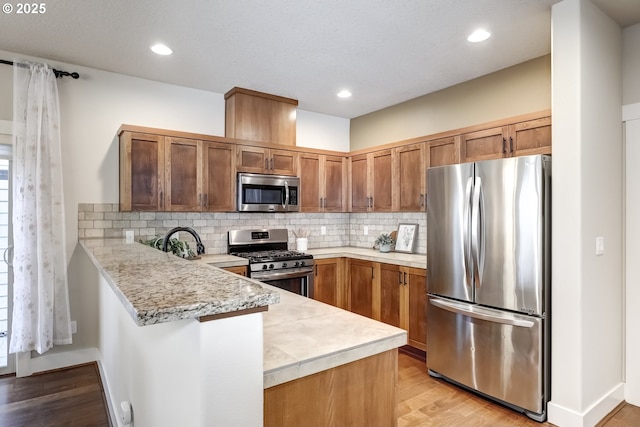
pixel 267 276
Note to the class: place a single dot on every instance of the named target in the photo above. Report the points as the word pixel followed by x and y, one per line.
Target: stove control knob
pixel 264 266
pixel 270 265
pixel 301 263
pixel 284 265
pixel 296 264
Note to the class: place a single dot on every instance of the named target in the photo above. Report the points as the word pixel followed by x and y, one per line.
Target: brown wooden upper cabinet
pixel 520 139
pixel 410 168
pixel 159 173
pixel 531 137
pixel 372 182
pixel 142 169
pixel 183 176
pixel 443 151
pixel 219 177
pixel 323 182
pixel 255 159
pixel 258 116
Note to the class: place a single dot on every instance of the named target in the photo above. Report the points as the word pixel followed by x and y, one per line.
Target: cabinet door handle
pixel 504 146
pixel 421 200
pixel 400 277
pixel 511 144
pixel 371 206
pixel 272 163
pixel 206 200
pixel 200 200
pixel 372 274
pixel 161 200
pixel 405 277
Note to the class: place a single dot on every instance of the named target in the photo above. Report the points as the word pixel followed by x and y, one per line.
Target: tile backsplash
pixel 343 229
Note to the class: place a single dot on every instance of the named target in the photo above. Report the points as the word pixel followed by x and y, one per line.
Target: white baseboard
pixel 63 359
pixel 112 405
pixel 566 417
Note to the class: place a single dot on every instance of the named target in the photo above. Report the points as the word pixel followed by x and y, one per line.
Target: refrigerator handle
pixel 476 232
pixel 481 313
pixel 466 237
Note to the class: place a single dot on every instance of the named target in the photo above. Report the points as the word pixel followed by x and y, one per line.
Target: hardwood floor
pixel 69 397
pixel 426 401
pixel 74 397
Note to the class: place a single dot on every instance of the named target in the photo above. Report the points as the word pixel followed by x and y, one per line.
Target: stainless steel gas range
pixel 271 261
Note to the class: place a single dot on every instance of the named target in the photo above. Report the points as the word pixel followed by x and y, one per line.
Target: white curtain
pixel 40 293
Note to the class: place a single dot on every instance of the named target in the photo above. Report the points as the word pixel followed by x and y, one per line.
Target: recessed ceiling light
pixel 479 36
pixel 161 49
pixel 344 94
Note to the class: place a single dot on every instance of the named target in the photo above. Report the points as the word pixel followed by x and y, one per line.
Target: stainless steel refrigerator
pixel 489 271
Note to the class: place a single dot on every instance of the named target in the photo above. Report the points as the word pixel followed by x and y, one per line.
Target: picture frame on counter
pixel 406 237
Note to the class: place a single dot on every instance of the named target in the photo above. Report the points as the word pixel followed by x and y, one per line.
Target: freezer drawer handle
pixel 480 313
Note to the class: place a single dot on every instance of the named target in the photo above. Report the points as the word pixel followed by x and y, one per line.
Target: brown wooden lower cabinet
pixel 415 303
pixel 390 293
pixel 241 270
pixel 328 281
pixel 361 290
pixel 403 301
pixel 360 393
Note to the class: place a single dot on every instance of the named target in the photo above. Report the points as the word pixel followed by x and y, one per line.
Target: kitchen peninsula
pixel 175 370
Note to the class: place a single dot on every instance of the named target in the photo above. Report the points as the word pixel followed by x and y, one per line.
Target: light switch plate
pixel 366 230
pixel 599 245
pixel 323 230
pixel 128 236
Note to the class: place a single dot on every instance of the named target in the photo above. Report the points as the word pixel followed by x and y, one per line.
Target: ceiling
pixel 383 51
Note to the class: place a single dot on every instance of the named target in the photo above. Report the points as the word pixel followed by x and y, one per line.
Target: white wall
pixel 631 115
pixel 315 130
pixel 632 280
pixel 587 299
pixel 631 65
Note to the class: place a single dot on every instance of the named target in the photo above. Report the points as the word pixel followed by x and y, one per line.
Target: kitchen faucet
pixel 199 245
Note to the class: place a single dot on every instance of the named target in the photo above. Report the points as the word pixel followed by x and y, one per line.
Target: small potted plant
pixel 383 242
pixel 177 247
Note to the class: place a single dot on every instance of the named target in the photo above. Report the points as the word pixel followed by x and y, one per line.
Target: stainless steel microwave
pixel 267 193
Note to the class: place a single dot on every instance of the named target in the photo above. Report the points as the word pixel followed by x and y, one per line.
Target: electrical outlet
pixel 128 235
pixel 74 327
pixel 323 230
pixel 366 230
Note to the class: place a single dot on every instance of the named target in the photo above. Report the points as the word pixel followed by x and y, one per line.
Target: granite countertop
pixel 398 258
pixel 156 286
pixel 303 336
pixel 222 260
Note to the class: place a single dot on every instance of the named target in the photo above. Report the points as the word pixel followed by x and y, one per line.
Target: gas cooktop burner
pixel 266 256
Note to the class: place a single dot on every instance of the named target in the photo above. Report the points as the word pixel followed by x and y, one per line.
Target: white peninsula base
pixel 181 373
